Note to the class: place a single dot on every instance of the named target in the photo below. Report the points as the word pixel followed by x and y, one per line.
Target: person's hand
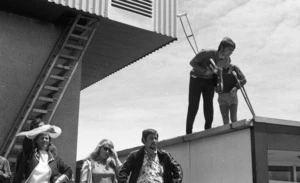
pixel 51 130
pixel 114 154
pixel 233 90
pixel 176 181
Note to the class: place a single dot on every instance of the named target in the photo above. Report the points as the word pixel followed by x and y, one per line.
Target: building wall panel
pixel 24 49
pixel 222 158
pixel 25 46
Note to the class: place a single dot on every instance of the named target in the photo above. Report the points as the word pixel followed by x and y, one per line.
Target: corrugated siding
pixel 165 17
pixel 98 7
pixel 164 12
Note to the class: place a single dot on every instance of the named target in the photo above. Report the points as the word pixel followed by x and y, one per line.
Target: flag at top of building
pixel 141 7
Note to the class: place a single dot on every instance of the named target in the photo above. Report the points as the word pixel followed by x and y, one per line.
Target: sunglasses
pixel 107 149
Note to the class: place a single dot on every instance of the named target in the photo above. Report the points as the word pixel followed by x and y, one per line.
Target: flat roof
pixel 274 126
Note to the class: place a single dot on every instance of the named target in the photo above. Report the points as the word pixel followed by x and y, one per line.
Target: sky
pixel 153 92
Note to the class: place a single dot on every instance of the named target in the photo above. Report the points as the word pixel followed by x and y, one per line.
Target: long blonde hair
pixel 96 153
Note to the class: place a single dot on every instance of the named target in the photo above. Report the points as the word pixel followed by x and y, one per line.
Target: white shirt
pixel 42 172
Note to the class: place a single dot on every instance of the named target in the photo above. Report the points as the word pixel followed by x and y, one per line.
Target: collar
pixel 37 155
pixel 150 155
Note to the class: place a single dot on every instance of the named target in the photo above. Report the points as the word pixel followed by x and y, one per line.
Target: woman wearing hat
pixel 41 165
pixel 28 146
pixel 102 165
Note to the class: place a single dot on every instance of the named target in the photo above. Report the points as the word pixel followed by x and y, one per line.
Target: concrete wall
pixel 222 158
pixel 25 45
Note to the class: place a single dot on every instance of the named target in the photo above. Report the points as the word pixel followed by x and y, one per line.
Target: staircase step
pixel 53 88
pixel 19 140
pixel 28 121
pixel 47 99
pixel 88 18
pixel 85 38
pixel 16 149
pixel 63 67
pixel 57 77
pixel 68 57
pixel 83 27
pixel 12 159
pixel 74 46
pixel 43 111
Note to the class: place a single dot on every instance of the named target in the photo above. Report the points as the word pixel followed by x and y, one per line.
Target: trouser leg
pixel 225 113
pixel 233 112
pixel 194 99
pixel 208 108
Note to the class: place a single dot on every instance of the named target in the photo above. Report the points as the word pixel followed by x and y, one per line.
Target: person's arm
pixel 6 173
pixel 84 173
pixel 126 169
pixel 27 145
pixel 65 170
pixel 198 61
pixel 175 168
pixel 240 76
pixel 118 163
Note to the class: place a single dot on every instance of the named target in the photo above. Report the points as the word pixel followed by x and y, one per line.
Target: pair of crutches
pixel 194 46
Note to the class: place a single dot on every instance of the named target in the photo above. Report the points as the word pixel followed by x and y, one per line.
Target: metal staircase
pixel 52 83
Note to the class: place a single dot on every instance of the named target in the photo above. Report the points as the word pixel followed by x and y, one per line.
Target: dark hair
pixel 35 139
pixel 226 42
pixel 148 132
pixel 35 123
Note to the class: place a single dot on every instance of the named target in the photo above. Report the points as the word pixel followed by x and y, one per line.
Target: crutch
pixel 244 94
pixel 213 66
pixel 194 47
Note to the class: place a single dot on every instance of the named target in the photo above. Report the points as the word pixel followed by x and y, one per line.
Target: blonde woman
pixel 102 165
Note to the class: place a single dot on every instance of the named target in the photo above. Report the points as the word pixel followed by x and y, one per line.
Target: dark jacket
pixel 30 159
pixel 27 148
pixel 201 63
pixel 229 80
pixel 134 162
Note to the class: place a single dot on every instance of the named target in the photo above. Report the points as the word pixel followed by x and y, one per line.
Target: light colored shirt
pixel 102 174
pixel 42 172
pixel 4 167
pixel 151 171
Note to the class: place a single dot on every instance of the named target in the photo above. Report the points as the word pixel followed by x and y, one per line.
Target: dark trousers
pixel 197 87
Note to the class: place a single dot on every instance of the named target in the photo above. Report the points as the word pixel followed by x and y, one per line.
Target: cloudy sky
pixel 153 92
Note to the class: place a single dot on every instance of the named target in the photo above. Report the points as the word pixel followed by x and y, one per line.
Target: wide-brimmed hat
pixel 53 131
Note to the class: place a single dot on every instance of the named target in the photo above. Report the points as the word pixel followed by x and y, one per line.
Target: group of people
pixel 148 164
pixel 38 161
pixel 210 69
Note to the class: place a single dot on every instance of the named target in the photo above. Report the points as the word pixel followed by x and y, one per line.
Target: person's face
pixel 227 51
pixel 105 151
pixel 151 142
pixel 43 141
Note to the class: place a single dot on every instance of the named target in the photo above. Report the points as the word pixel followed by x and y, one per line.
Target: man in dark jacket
pixel 150 164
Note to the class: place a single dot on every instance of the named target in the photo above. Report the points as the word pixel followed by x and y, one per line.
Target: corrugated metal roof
pixel 162 13
pixel 98 7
